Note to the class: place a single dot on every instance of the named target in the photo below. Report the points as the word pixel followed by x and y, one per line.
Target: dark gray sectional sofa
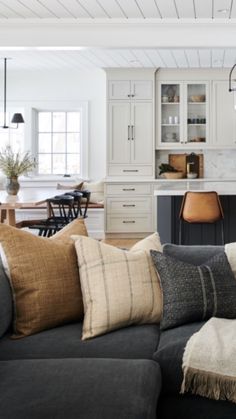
pixel 132 373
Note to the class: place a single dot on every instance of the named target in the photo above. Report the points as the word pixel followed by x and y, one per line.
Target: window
pixel 61 142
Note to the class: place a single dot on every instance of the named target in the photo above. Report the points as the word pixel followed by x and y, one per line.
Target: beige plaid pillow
pixel 117 286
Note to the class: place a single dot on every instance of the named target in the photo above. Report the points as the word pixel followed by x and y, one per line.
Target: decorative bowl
pixel 173 175
pixel 191 175
pixel 198 98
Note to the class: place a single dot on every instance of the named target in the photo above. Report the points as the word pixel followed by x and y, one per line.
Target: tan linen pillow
pixel 97 191
pixel 75 227
pixel 69 187
pixel 117 286
pixel 44 277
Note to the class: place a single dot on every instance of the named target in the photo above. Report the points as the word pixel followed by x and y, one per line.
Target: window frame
pixel 66 107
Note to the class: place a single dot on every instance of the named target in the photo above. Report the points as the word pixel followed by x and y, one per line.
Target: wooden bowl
pixel 173 175
pixel 198 98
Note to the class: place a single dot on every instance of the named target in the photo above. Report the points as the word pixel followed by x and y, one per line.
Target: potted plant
pixel 169 172
pixel 13 165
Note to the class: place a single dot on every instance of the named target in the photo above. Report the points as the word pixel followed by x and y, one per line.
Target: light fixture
pixel 232 89
pixel 17 117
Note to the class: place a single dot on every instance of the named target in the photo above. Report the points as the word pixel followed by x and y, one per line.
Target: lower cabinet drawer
pixel 121 170
pixel 129 224
pixel 127 206
pixel 128 189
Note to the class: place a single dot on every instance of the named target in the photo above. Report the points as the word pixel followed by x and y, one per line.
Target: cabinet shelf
pixel 196 103
pixel 170 103
pixel 170 125
pixel 196 125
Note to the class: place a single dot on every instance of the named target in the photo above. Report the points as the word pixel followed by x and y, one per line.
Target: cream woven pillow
pixel 117 286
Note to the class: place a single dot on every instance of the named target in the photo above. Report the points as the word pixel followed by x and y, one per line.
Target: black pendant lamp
pixel 17 117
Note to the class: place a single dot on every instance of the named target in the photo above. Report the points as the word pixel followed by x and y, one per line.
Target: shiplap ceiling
pixel 113 9
pixel 102 58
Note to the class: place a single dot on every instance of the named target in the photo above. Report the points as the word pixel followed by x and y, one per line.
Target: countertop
pixel 170 188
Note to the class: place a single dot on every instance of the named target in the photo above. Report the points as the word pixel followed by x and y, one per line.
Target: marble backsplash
pixel 217 163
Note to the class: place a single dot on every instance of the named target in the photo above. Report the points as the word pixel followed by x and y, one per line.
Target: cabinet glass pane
pixel 196 113
pixel 170 113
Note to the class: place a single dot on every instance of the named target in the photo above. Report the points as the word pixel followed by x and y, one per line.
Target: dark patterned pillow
pixel 195 293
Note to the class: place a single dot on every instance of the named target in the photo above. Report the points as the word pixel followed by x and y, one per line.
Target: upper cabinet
pixel 224 121
pixel 183 114
pixel 130 89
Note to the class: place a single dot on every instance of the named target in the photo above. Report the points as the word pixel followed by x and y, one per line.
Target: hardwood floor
pixel 123 243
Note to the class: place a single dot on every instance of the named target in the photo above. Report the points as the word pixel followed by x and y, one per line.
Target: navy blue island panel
pixel 168 208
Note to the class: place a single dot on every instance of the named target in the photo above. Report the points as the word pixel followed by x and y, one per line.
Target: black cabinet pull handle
pixel 127 170
pixel 128 205
pixel 128 222
pixel 128 189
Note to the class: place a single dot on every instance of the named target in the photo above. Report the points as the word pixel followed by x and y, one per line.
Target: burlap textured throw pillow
pixel 75 227
pixel 44 278
pixel 117 286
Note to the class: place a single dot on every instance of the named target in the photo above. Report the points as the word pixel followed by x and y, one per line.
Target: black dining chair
pixel 60 212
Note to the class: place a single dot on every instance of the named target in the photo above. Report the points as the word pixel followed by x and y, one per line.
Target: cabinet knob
pixel 129 95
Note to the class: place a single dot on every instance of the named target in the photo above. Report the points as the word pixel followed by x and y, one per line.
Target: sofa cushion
pixel 6 304
pixel 196 255
pixel 75 388
pixel 44 278
pixel 194 407
pixel 65 342
pixel 195 293
pixel 170 354
pixel 117 286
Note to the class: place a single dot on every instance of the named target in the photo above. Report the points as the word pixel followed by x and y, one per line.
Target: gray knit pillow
pixel 195 293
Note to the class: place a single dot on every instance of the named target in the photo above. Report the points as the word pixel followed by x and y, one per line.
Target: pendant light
pixel 17 117
pixel 232 89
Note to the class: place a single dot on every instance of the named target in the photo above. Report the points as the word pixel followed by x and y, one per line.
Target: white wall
pixel 38 87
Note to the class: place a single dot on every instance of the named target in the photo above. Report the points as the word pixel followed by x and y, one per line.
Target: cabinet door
pixel 119 89
pixel 170 114
pixel 224 115
pixel 196 115
pixel 119 132
pixel 142 133
pixel 141 90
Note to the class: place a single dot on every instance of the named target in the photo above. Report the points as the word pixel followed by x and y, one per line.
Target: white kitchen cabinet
pixel 183 114
pixel 130 137
pixel 130 89
pixel 224 115
pixel 129 208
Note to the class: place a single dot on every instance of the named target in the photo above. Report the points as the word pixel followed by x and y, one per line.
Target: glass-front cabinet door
pixel 183 114
pixel 196 114
pixel 170 117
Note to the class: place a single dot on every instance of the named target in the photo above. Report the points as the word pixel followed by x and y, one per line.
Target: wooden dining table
pixel 26 198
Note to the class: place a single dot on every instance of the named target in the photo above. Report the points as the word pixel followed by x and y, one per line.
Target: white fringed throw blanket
pixel 209 361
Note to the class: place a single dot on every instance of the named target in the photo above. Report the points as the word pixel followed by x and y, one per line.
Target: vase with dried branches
pixel 13 165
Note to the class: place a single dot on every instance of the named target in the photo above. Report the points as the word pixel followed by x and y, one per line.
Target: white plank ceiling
pixel 31 59
pixel 113 9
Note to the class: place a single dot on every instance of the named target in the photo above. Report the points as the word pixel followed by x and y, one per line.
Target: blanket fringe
pixel 208 384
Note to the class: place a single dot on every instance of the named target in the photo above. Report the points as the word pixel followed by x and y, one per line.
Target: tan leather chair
pixel 201 207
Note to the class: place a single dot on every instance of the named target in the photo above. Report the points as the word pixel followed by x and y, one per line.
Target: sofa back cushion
pixel 6 305
pixel 196 255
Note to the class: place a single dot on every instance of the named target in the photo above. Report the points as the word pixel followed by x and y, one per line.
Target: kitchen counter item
pixel 179 162
pixel 173 175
